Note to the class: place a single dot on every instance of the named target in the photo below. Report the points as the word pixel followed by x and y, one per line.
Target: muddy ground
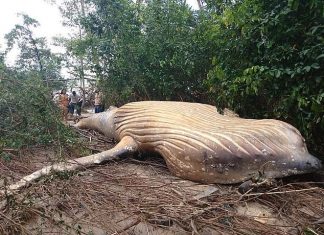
pixel 140 196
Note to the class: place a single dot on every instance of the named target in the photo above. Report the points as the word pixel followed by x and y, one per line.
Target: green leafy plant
pixel 267 63
pixel 27 114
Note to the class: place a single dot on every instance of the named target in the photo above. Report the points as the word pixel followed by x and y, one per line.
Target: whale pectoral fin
pixel 126 145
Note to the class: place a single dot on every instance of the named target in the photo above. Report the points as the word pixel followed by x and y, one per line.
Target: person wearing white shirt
pixel 74 103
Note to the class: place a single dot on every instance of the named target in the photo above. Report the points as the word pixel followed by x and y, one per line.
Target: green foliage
pixel 174 56
pixel 261 58
pixel 152 51
pixel 34 57
pixel 112 41
pixel 268 62
pixel 27 114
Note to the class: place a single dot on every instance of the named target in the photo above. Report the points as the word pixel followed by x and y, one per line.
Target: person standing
pixel 79 106
pixel 74 100
pixel 98 102
pixel 64 104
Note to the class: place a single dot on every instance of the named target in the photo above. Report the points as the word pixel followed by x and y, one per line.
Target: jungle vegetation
pixel 262 59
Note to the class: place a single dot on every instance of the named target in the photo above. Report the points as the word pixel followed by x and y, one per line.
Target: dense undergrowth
pixel 28 116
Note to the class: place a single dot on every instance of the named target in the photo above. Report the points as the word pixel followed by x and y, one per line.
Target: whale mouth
pixel 316 166
pixel 306 163
pixel 303 163
pixel 313 163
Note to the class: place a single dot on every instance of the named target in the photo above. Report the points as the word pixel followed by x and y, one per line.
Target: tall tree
pixel 74 11
pixel 144 51
pixel 34 55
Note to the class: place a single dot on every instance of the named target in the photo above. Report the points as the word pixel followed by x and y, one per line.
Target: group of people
pixel 68 104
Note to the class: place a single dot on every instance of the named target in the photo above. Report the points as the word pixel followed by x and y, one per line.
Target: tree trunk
pixel 80 36
pixel 38 56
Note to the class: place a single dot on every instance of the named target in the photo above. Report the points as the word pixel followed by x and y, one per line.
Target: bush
pixel 28 116
pixel 268 61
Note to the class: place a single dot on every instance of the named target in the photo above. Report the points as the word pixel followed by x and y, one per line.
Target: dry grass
pixel 141 197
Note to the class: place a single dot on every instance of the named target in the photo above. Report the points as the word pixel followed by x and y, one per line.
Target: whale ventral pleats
pixel 200 144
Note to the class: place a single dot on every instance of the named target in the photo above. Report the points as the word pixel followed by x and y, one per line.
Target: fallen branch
pixel 280 192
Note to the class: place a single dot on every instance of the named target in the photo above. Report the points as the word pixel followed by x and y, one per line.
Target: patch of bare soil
pixel 132 196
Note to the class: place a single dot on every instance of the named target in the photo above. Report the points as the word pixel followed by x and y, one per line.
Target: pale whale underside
pixel 200 144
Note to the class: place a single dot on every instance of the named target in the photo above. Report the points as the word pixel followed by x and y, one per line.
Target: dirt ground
pixel 140 196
